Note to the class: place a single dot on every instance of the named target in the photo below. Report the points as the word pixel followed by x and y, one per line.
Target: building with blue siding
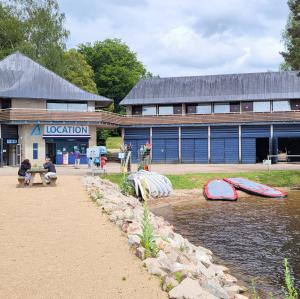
pixel 236 118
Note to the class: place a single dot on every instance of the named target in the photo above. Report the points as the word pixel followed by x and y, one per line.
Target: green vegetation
pixel 147 236
pixel 117 68
pixel 78 71
pixel 291 37
pixel 125 187
pixel 290 291
pixel 276 178
pixel 113 142
pixel 178 276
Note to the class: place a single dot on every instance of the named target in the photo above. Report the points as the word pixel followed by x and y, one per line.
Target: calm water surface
pixel 251 236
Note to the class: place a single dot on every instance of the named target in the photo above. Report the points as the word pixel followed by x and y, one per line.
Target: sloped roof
pixel 215 88
pixel 21 77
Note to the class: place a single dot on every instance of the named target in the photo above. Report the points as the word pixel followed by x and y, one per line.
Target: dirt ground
pixel 55 243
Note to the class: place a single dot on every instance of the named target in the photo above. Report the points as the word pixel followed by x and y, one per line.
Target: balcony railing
pixel 25 115
pixel 110 120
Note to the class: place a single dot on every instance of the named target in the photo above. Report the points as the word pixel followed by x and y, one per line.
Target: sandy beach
pixel 56 243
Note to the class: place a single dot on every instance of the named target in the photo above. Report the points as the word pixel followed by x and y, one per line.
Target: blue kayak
pixel 219 190
pixel 255 188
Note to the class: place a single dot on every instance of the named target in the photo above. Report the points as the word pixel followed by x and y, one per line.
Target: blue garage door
pixel 194 145
pixel 286 131
pixel 136 137
pixel 249 135
pixel 224 145
pixel 165 145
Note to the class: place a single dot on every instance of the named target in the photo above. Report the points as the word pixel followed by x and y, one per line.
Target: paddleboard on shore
pixel 255 188
pixel 219 190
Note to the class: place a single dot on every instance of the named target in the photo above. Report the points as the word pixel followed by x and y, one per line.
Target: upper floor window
pixel 263 106
pixel 149 110
pixel 247 106
pixel 67 106
pixel 235 107
pixel 281 106
pixel 198 109
pixel 170 110
pixel 295 104
pixel 221 108
pixel 137 110
pixel 204 109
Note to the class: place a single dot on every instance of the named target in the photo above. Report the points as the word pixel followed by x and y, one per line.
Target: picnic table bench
pixel 34 172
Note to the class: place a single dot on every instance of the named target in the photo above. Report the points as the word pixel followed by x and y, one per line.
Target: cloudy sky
pixel 186 37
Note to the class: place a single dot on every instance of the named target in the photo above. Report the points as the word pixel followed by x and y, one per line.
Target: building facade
pixel 238 118
pixel 42 115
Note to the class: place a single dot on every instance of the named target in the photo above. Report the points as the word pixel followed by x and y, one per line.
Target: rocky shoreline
pixel 186 271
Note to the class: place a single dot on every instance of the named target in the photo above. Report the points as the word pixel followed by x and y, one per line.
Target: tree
pixel 116 68
pixel 39 28
pixel 291 38
pixel 78 71
pixel 12 33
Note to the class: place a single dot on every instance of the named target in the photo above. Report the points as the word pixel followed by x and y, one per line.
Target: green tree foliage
pixel 12 33
pixel 116 68
pixel 36 28
pixel 78 71
pixel 291 37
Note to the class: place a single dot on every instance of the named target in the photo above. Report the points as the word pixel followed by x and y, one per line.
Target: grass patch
pixel 113 142
pixel 276 178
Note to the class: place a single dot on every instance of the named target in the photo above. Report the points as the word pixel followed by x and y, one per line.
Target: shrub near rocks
pixel 187 271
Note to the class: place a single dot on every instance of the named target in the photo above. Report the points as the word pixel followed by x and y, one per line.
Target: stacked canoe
pixel 226 189
pixel 150 184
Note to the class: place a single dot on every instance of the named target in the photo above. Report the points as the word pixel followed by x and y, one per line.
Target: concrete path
pixel 170 168
pixel 55 243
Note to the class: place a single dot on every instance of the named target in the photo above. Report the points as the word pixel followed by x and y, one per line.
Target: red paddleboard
pixel 255 188
pixel 219 190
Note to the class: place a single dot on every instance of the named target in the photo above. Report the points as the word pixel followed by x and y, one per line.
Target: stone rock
pixel 218 269
pixel 214 287
pixel 140 252
pixel 203 256
pixel 168 282
pixel 128 214
pixel 134 228
pixel 177 241
pixel 201 269
pixel 134 240
pixel 190 289
pixel 239 296
pixel 154 267
pixel 235 289
pixel 229 279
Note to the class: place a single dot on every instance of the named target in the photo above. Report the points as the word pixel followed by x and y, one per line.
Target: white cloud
pixel 186 37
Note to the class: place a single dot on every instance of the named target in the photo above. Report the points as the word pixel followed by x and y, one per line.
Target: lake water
pixel 251 236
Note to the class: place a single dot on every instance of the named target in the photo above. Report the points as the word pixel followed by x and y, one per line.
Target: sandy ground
pixel 55 243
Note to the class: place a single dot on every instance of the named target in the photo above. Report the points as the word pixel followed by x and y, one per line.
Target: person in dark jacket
pixel 51 170
pixel 24 167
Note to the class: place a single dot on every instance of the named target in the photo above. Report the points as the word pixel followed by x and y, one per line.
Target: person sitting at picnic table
pixel 24 167
pixel 51 170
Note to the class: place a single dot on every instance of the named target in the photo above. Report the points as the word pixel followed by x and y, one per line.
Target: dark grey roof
pixel 21 77
pixel 215 88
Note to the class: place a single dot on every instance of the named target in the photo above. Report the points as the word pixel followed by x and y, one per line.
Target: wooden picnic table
pixel 34 172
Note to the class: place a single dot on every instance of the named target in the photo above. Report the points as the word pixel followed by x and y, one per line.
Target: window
pixel 149 110
pixel 221 108
pixel 137 110
pixel 235 107
pixel 261 106
pixel 35 147
pixel 281 106
pixel 204 109
pixel 165 110
pixel 191 109
pixel 198 109
pixel 247 106
pixel 177 109
pixel 295 105
pixel 67 106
